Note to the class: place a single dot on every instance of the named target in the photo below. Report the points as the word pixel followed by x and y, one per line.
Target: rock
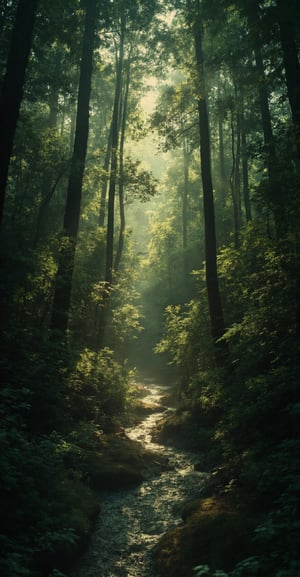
pixel 214 533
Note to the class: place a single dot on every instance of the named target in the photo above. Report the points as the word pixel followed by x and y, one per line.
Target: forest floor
pixel 133 520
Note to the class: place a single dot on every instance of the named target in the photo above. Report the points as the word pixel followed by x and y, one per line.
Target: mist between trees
pixel 149 205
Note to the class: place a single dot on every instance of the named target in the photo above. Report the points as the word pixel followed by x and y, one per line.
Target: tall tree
pixel 114 157
pixel 245 174
pixel 213 292
pixel 287 19
pixel 113 149
pixel 123 121
pixel 186 155
pixel 63 286
pixel 275 196
pixel 12 89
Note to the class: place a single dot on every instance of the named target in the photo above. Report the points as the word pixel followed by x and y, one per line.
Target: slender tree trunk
pixel 237 174
pixel 185 206
pixel 121 172
pixel 290 62
pixel 275 196
pixel 72 128
pixel 234 181
pixel 115 132
pixel 213 292
pixel 104 179
pixel 222 161
pixel 246 193
pixel 53 96
pixel 114 163
pixel 292 73
pixel 63 286
pixel 12 90
pixel 102 215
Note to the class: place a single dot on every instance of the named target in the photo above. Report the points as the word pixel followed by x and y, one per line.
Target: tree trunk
pixel 245 176
pixel 185 207
pixel 275 196
pixel 222 161
pixel 104 179
pixel 121 172
pixel 114 162
pixel 235 179
pixel 291 64
pixel 63 286
pixel 115 131
pixel 12 90
pixel 213 292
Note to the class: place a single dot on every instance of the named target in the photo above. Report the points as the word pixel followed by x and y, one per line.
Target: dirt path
pixel 132 520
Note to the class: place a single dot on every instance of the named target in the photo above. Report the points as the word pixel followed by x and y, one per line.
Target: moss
pixel 214 533
pixel 108 475
pixel 182 430
pixel 120 463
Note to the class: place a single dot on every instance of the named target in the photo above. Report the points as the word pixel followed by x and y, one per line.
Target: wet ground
pixel 133 520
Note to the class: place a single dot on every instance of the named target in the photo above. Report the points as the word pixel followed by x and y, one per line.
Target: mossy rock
pixel 214 534
pixel 109 475
pixel 182 431
pixel 121 463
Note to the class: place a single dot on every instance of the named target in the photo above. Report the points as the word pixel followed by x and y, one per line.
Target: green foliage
pixel 162 247
pixel 187 341
pixel 261 303
pixel 97 387
pixel 33 297
pixel 138 183
pixel 32 370
pixel 45 512
pixel 185 337
pixel 258 399
pixel 57 400
pixel 126 322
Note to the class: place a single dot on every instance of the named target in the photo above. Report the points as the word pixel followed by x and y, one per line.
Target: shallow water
pixel 133 520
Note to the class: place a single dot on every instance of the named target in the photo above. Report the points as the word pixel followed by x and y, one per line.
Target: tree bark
pixel 275 196
pixel 115 133
pixel 185 206
pixel 121 172
pixel 104 179
pixel 291 64
pixel 245 176
pixel 222 161
pixel 12 90
pixel 114 163
pixel 212 283
pixel 235 178
pixel 63 286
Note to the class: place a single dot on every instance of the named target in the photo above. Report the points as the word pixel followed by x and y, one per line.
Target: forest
pixel 150 225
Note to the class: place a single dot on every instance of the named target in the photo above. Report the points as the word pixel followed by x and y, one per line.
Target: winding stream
pixel 132 520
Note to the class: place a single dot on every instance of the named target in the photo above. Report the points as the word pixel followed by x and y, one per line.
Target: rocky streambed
pixel 132 520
